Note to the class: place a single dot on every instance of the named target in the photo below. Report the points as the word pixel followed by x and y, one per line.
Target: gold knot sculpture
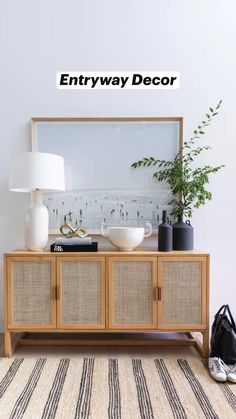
pixel 68 231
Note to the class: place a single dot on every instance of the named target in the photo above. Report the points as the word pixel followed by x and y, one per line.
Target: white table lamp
pixel 37 173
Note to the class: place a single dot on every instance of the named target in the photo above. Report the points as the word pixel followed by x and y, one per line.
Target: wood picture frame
pixel 98 153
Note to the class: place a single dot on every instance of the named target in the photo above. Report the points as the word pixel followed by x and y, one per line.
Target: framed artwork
pixel 101 186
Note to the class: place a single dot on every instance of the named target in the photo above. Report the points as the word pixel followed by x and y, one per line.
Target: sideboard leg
pixel 8 345
pixel 205 344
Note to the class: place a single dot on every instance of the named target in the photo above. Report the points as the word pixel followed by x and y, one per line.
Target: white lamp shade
pixel 30 171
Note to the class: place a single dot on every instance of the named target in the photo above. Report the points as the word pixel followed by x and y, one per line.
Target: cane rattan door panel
pixel 183 292
pixel 132 283
pixel 31 282
pixel 81 300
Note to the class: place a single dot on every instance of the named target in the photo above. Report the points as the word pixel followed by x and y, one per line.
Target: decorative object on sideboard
pixel 67 247
pixel 187 182
pixel 165 234
pixel 182 235
pixel 73 240
pixel 126 239
pixel 74 244
pixel 68 231
pixel 36 173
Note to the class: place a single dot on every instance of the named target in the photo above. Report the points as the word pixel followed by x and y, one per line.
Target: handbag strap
pixel 230 315
pixel 218 318
pixel 221 308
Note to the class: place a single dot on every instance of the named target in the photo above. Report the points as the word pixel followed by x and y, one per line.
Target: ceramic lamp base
pixel 36 224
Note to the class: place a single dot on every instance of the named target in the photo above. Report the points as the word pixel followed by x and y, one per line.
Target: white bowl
pixel 126 239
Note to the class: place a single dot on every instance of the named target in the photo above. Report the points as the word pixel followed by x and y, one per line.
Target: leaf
pixel 201 132
pixel 215 113
pixel 211 110
pixel 208 116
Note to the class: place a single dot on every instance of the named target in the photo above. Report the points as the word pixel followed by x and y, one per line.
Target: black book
pixel 59 248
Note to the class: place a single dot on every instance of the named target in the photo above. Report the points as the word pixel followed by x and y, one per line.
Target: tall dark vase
pixel 165 235
pixel 182 235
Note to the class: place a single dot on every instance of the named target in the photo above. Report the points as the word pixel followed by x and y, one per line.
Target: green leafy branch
pixel 187 184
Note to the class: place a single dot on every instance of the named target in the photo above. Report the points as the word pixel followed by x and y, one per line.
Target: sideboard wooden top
pixel 143 252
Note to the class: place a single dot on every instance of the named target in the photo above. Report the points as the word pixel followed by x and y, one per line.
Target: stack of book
pixel 74 244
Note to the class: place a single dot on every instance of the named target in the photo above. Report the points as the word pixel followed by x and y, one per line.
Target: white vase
pixel 36 223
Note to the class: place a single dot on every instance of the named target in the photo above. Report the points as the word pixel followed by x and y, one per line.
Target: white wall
pixel 39 38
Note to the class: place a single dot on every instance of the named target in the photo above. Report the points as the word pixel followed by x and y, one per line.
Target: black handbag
pixel 223 336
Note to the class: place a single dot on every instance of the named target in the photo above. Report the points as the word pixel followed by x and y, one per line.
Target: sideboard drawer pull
pixel 155 296
pixel 56 293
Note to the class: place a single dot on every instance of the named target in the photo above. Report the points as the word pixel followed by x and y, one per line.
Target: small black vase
pixel 182 235
pixel 165 235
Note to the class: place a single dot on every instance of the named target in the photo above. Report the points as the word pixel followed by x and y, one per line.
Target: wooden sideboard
pixel 106 293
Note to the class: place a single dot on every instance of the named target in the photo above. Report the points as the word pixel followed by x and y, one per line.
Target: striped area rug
pixel 123 388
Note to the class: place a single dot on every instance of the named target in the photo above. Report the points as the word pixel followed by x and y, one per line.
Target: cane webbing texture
pixel 81 293
pixel 31 292
pixel 181 285
pixel 133 292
